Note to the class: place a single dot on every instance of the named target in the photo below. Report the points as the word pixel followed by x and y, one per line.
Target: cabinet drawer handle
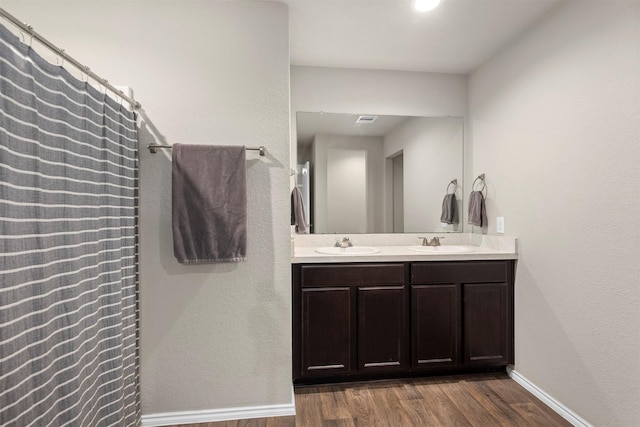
pixel 423 361
pixel 378 364
pixel 314 368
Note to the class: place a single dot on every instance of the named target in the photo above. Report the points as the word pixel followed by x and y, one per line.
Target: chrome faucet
pixel 346 243
pixel 433 242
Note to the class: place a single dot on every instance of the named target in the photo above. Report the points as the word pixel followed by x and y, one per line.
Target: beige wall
pixel 555 122
pixel 206 72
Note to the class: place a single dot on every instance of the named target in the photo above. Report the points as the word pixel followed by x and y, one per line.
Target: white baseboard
pixel 548 400
pixel 213 415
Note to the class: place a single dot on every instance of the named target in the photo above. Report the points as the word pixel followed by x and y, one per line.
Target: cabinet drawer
pixel 352 275
pixel 459 272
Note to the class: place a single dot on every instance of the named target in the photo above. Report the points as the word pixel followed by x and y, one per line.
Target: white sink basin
pixel 444 249
pixel 353 250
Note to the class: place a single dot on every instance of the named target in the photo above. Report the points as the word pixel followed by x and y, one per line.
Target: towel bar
pixel 153 148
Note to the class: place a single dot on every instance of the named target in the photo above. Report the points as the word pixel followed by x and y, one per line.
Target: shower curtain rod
pixel 83 68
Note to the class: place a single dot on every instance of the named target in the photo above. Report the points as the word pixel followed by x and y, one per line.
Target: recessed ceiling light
pixel 424 5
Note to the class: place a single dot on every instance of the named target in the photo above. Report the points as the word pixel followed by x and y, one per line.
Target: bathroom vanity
pixel 398 313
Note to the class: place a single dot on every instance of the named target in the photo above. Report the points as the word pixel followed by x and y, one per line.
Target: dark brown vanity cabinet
pixel 488 320
pixel 375 320
pixel 350 319
pixel 381 328
pixel 435 326
pixel 327 325
pixel 476 297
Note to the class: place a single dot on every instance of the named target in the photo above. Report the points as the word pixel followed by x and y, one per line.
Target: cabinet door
pixel 382 331
pixel 327 331
pixel 486 328
pixel 435 325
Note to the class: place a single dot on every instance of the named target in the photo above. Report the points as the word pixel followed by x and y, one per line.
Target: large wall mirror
pixel 363 173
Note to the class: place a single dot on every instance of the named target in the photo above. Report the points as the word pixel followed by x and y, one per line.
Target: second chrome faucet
pixel 346 243
pixel 433 242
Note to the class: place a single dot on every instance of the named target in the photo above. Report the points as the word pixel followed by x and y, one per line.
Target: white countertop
pixel 484 248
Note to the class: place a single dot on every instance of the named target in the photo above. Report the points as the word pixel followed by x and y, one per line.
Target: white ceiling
pixel 311 124
pixel 455 38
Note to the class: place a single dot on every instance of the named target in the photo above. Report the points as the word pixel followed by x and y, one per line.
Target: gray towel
pixel 449 209
pixel 297 211
pixel 477 211
pixel 209 203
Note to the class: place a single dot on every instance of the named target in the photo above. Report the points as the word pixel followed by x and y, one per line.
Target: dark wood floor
pixel 469 400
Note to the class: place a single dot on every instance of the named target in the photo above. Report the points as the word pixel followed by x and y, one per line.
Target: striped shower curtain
pixel 68 248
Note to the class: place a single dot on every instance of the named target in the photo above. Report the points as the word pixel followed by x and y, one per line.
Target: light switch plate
pixel 500 224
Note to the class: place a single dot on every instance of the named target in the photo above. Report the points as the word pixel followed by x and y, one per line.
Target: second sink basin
pixel 353 250
pixel 444 249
